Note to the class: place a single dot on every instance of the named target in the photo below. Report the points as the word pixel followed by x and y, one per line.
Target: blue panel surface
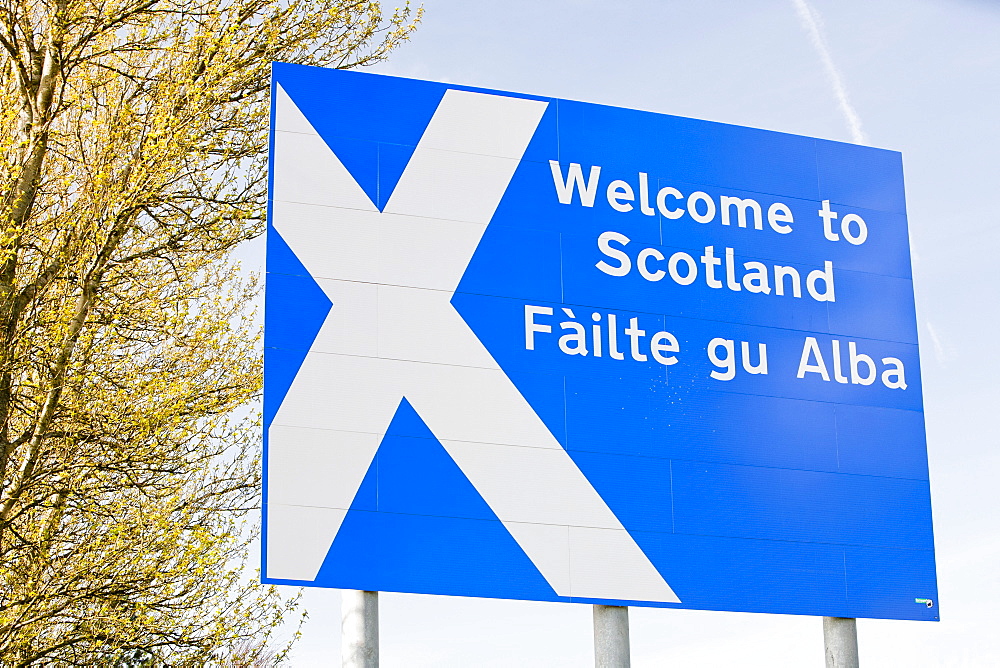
pixel 706 332
pixel 418 525
pixel 294 310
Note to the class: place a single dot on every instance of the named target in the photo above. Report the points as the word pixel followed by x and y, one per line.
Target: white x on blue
pixel 393 333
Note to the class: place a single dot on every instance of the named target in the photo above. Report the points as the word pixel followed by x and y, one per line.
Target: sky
pixel 918 76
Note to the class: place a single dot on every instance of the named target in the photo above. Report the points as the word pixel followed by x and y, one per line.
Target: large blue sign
pixel 521 347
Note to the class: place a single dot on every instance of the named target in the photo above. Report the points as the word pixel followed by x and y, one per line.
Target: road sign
pixel 523 347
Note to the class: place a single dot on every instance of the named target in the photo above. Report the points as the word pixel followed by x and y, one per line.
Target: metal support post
pixel 359 629
pixel 840 636
pixel 611 647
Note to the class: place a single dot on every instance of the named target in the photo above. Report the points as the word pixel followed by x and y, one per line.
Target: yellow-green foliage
pixel 133 141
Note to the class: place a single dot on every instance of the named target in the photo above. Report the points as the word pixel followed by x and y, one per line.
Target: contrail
pixel 813 25
pixel 940 352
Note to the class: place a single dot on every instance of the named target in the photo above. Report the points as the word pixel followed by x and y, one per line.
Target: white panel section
pixel 607 563
pixel 532 485
pixel 474 405
pixel 548 547
pixel 342 393
pixel 298 538
pixel 466 186
pixel 419 325
pixel 481 123
pixel 425 252
pixel 307 171
pixel 317 467
pixel 304 167
pixel 287 117
pixel 452 185
pixel 352 325
pixel 341 244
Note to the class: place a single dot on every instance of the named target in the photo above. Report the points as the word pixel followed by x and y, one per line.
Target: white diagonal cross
pixel 394 273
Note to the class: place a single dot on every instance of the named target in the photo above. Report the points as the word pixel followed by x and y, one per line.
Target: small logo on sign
pixel 926 601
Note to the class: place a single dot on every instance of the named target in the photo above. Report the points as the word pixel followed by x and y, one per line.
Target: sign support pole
pixel 840 635
pixel 611 646
pixel 359 628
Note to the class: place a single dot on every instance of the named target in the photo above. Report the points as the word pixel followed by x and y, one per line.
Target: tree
pixel 134 139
